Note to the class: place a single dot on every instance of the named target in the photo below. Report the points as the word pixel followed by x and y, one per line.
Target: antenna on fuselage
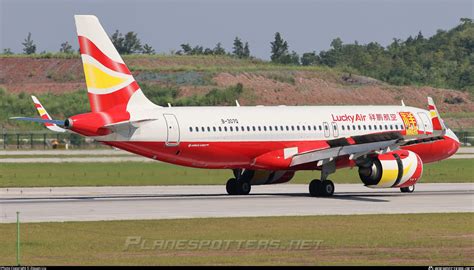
pixel 169 104
pixel 237 103
pixel 403 103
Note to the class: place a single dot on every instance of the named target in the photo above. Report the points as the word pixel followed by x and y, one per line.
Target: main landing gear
pixel 318 188
pixel 239 185
pixel 323 187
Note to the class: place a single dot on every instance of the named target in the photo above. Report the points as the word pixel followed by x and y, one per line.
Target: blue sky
pixel 306 25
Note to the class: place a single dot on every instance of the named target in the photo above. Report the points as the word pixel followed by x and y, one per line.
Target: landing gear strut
pixel 238 185
pixel 323 187
pixel 409 189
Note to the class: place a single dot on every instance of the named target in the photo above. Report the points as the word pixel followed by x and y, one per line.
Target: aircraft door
pixel 172 129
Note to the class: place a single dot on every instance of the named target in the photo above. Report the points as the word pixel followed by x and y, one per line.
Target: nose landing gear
pixel 409 189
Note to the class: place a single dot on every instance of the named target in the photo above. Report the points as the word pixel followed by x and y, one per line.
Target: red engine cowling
pixel 400 168
pixel 264 177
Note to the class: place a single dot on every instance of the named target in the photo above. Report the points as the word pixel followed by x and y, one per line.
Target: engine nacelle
pixel 264 177
pixel 400 168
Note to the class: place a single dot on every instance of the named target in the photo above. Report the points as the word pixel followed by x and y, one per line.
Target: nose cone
pixel 454 141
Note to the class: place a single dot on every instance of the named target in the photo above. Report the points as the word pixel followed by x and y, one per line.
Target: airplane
pixel 260 144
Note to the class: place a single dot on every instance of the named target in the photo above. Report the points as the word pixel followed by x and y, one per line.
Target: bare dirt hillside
pixel 268 84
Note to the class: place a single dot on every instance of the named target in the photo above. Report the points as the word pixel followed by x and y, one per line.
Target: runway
pixel 169 202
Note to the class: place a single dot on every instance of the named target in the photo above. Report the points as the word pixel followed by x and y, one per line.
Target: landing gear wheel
pixel 327 188
pixel 235 187
pixel 231 186
pixel 409 189
pixel 315 188
pixel 244 187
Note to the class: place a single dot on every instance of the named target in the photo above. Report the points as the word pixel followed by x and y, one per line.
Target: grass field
pixel 419 239
pixel 137 173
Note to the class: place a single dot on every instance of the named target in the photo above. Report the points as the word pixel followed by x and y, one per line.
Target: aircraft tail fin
pixel 436 120
pixel 110 84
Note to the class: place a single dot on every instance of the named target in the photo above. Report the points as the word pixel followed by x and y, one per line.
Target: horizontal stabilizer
pixel 39 120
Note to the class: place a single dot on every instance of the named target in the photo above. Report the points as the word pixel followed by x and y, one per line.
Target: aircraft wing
pixel 357 146
pixel 354 150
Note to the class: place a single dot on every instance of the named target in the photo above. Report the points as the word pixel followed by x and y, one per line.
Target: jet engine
pixel 400 168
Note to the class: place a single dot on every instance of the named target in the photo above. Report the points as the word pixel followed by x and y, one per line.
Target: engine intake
pixel 400 168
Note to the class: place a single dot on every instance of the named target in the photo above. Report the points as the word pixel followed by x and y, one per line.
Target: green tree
pixel 66 48
pixel 279 49
pixel 218 50
pixel 7 51
pixel 128 44
pixel 238 48
pixel 186 48
pixel 309 59
pixel 246 51
pixel 28 45
pixel 147 49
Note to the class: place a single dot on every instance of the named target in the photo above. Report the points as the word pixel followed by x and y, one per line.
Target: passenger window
pixel 326 127
pixel 348 127
pixel 208 129
pixel 292 128
pixel 391 127
pixel 264 128
pixel 342 127
pixel 253 128
pixel 370 127
pixel 191 129
pixel 270 128
pixel 230 128
pixel 358 127
pixel 214 129
pixel 364 127
pixel 353 127
pixel 287 129
pixel 298 128
pixel 259 128
pixel 386 127
pixel 375 127
pixel 320 128
pixel 303 127
pixel 248 128
pixel 197 129
pixel 220 129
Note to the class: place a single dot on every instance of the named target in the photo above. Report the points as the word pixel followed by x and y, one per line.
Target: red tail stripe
pixel 88 47
pixel 104 102
pixel 436 124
